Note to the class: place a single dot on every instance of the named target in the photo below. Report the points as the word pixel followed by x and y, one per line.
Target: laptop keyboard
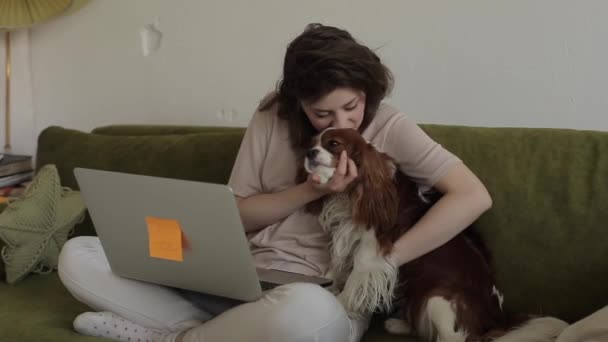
pixel 266 285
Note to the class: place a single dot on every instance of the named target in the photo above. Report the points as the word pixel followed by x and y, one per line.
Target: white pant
pixel 297 312
pixel 593 328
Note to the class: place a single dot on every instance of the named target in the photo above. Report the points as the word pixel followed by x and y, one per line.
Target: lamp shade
pixel 16 14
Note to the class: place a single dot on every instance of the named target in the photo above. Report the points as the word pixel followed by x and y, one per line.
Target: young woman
pixel 329 80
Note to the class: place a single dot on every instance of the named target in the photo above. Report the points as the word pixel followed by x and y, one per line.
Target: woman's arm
pixel 464 199
pixel 261 210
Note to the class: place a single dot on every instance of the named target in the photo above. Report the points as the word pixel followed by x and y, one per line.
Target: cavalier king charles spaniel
pixel 448 294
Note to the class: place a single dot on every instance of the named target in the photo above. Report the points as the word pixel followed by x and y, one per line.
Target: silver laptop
pixel 215 258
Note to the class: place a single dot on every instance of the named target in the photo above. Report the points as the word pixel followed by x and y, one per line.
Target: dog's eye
pixel 333 143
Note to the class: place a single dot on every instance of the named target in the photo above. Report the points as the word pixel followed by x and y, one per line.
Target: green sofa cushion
pixel 39 309
pixel 35 226
pixel 198 156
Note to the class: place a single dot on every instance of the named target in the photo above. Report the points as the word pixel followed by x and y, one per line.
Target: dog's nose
pixel 312 153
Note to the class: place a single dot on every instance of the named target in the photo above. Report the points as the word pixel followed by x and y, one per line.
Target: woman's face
pixel 342 108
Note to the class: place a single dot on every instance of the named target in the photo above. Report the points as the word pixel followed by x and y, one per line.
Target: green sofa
pixel 547 228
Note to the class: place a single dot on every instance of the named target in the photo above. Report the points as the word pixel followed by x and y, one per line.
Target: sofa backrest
pixel 546 230
pixel 206 156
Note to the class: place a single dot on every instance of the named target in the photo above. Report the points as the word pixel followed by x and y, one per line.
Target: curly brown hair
pixel 318 61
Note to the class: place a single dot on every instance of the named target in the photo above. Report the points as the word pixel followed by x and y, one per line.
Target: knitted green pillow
pixel 35 226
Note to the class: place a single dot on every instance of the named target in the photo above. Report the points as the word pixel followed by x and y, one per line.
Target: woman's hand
pixel 345 173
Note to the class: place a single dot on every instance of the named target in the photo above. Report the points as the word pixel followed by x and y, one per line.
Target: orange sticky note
pixel 165 236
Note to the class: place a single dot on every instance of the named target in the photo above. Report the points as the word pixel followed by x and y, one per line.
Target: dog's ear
pixel 374 196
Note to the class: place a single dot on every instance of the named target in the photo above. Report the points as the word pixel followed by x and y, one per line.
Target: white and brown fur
pixel 448 295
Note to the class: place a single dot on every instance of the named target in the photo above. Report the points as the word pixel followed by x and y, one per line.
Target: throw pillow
pixel 35 226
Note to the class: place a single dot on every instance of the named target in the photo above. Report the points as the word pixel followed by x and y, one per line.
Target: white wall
pixel 471 62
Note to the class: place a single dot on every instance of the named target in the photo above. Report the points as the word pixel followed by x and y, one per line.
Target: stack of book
pixel 16 171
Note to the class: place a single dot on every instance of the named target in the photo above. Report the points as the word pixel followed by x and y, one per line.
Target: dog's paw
pixel 352 311
pixel 366 292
